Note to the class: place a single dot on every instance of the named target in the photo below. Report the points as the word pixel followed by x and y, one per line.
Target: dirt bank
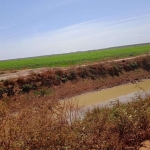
pixel 57 83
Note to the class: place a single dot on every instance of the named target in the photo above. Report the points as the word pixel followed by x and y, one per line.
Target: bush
pixel 1 92
pixel 45 126
pixel 26 87
pixel 146 63
pixel 71 75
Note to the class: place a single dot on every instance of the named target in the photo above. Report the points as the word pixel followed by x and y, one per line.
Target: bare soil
pixel 145 145
pixel 24 87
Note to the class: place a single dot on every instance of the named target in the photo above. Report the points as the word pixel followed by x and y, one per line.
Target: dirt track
pixel 26 72
pixel 21 73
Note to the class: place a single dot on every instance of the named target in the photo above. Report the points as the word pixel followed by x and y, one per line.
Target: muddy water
pixel 119 92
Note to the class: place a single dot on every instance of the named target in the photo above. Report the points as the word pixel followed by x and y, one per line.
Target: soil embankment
pixel 60 83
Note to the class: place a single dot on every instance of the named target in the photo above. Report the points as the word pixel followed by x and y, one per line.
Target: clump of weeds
pixel 43 92
pixel 55 125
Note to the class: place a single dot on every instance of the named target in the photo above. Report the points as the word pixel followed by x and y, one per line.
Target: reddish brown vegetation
pixel 44 125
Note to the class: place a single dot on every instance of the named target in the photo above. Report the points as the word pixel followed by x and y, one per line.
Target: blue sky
pixel 44 27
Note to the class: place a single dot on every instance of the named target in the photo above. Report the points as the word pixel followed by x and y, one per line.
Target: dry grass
pixel 55 126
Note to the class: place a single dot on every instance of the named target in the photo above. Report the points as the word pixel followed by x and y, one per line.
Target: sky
pixel 43 27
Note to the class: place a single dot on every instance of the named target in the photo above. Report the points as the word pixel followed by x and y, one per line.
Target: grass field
pixel 62 60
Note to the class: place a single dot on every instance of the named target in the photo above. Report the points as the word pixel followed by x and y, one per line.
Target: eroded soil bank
pixel 56 83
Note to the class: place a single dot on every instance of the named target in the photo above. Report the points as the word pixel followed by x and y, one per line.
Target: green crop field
pixel 62 60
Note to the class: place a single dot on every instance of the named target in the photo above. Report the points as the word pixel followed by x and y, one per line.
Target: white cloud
pixel 84 36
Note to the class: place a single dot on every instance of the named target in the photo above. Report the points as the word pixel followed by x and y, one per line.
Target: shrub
pixel 1 92
pixel 42 92
pixel 71 75
pixel 134 65
pixel 146 63
pixel 49 125
pixel 83 72
pixel 26 87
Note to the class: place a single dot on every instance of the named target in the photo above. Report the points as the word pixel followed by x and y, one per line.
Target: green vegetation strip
pixel 63 60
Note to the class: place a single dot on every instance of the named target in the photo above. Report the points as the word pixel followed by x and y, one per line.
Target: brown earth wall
pixel 76 80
